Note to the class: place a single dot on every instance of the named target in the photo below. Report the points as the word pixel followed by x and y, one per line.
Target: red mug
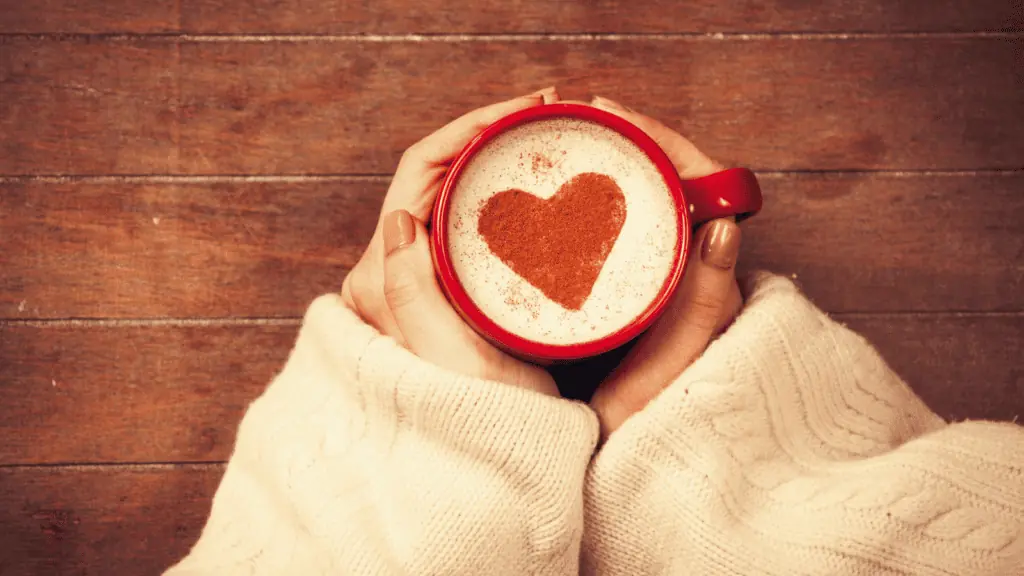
pixel 733 192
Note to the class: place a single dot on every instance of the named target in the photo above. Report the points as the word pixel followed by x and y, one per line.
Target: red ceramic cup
pixel 732 192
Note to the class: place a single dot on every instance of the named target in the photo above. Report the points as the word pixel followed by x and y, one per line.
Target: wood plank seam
pixel 346 177
pixel 233 119
pixel 525 37
pixel 296 320
pixel 118 466
pixel 439 17
pixel 137 322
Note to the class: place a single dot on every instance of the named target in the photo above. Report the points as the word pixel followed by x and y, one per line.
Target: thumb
pixel 706 300
pixel 428 325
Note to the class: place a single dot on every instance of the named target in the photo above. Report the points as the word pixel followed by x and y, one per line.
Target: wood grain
pixel 87 16
pixel 131 250
pixel 101 520
pixel 865 242
pixel 619 16
pixel 131 394
pixel 772 104
pixel 284 107
pixel 497 17
pixel 68 107
pixel 170 393
pixel 116 249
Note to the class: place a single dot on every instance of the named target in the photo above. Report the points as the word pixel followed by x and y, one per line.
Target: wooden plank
pixel 102 393
pixel 620 16
pixel 772 104
pixel 145 249
pixel 101 520
pixel 87 16
pixel 494 17
pixel 87 106
pixel 169 393
pixel 287 107
pixel 130 250
pixel 868 242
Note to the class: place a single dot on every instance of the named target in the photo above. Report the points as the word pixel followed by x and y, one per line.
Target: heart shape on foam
pixel 558 245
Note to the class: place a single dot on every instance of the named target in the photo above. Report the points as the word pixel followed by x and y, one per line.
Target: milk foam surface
pixel 538 157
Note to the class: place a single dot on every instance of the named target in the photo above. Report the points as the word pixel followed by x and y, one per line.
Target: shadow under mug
pixel 729 193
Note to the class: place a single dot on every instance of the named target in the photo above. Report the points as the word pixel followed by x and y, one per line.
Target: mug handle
pixel 731 192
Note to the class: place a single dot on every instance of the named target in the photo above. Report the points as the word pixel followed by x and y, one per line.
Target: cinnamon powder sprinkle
pixel 558 245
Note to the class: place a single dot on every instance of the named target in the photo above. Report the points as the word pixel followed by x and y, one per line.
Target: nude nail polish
pixel 721 247
pixel 399 231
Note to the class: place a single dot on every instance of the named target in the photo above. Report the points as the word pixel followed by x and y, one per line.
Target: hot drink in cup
pixel 562 230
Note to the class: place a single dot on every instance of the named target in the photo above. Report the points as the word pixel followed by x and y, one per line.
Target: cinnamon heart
pixel 558 245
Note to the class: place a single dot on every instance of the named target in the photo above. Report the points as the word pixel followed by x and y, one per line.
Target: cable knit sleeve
pixel 790 448
pixel 362 459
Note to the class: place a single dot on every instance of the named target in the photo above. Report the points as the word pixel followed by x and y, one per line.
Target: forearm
pixel 360 458
pixel 791 448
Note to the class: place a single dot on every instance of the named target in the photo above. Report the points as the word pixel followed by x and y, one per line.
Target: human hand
pixel 707 300
pixel 393 286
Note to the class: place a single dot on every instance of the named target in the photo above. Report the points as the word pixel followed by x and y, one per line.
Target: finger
pixel 689 161
pixel 549 95
pixel 365 291
pixel 704 304
pixel 441 146
pixel 424 163
pixel 429 327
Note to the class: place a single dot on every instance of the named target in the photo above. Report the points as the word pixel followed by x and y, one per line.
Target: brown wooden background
pixel 179 178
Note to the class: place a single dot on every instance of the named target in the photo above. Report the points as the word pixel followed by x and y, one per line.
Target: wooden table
pixel 179 178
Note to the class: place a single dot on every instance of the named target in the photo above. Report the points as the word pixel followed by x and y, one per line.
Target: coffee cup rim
pixel 484 325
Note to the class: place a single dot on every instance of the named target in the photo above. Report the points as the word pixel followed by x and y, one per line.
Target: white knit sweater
pixel 788 448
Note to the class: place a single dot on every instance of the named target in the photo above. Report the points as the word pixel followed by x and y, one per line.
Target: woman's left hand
pixel 707 300
pixel 393 287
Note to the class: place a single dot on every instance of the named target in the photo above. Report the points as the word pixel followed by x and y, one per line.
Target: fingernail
pixel 399 231
pixel 545 96
pixel 721 245
pixel 533 98
pixel 602 102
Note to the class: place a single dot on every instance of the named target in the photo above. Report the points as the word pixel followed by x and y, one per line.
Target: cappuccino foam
pixel 539 157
